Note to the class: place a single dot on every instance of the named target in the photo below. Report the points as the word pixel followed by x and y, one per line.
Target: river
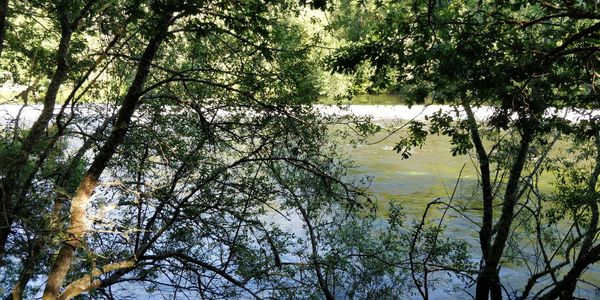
pixel 431 172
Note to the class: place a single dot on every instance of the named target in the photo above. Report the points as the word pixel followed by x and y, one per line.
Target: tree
pixel 521 58
pixel 183 129
pixel 28 155
pixel 11 181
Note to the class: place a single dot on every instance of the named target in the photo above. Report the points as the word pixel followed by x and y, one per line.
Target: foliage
pixel 184 158
pixel 522 60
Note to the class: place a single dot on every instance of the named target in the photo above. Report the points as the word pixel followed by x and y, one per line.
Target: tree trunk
pixel 562 289
pixel 9 185
pixel 41 241
pixel 90 282
pixel 3 15
pixel 485 233
pixel 28 270
pixel 315 256
pixel 488 283
pixel 78 217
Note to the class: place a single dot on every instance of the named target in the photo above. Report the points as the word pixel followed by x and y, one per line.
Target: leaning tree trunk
pixel 27 271
pixel 79 203
pixel 9 185
pixel 42 241
pixel 562 289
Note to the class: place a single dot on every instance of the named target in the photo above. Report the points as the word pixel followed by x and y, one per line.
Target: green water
pixel 430 173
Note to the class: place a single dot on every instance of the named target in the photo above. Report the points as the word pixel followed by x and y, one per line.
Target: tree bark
pixel 78 217
pixel 3 16
pixel 27 271
pixel 90 282
pixel 9 185
pixel 488 281
pixel 562 288
pixel 41 241
pixel 485 233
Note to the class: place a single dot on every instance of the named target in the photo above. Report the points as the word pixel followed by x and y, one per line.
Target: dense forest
pixel 164 149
